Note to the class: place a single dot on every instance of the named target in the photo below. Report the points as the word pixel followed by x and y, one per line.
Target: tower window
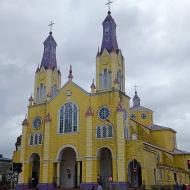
pixel 143 116
pixel 68 119
pixel 41 93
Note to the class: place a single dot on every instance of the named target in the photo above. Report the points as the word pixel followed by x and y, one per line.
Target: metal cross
pixel 108 4
pixel 50 25
pixel 135 87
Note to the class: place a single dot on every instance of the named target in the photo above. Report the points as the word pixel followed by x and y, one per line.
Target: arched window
pixel 105 79
pixel 104 131
pixel 36 139
pixel 109 131
pixel 41 93
pixel 31 140
pixel 68 119
pixel 98 132
pixel 40 139
pixel 54 90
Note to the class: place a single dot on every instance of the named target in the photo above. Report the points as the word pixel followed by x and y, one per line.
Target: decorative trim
pixel 119 108
pixel 87 186
pixel 89 112
pixel 116 81
pixel 47 118
pixel 25 122
pixel 46 186
pixel 93 85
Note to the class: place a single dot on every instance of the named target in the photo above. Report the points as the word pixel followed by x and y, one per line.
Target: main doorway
pixel 68 168
pixel 105 166
pixel 35 169
pixel 134 174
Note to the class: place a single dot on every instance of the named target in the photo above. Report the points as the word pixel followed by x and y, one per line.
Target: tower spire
pixel 136 99
pixel 109 41
pixel 70 77
pixel 49 55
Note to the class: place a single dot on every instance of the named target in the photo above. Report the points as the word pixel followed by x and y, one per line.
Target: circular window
pixel 37 123
pixel 133 116
pixel 104 113
pixel 143 116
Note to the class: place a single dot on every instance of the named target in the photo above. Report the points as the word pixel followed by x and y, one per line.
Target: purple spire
pixel 49 55
pixel 136 100
pixel 109 40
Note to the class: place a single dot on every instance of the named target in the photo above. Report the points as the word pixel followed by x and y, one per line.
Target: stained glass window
pixel 31 140
pixel 109 131
pixel 36 139
pixel 98 132
pixel 104 131
pixel 104 113
pixel 68 118
pixel 40 139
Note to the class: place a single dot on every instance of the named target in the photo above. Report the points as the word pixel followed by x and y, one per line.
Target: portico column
pixel 78 173
pixel 47 121
pixel 58 173
pixel 120 155
pixel 89 160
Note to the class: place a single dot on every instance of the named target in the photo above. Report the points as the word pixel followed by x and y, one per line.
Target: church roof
pixel 178 151
pixel 140 108
pixel 160 128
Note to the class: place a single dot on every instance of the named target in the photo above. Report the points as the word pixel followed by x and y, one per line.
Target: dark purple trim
pixel 88 186
pixel 114 185
pixel 46 186
pixel 119 185
pixel 22 186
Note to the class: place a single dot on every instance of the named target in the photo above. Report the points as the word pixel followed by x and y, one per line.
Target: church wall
pixel 148 121
pixel 180 160
pixel 164 139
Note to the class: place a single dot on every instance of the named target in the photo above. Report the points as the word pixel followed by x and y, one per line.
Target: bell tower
pixel 110 68
pixel 47 76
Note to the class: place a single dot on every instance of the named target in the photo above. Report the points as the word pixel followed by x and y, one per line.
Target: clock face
pixel 104 113
pixel 37 123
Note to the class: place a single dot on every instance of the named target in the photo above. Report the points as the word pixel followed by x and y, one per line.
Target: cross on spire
pixel 50 25
pixel 135 87
pixel 109 5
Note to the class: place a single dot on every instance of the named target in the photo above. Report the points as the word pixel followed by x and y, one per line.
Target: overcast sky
pixel 154 36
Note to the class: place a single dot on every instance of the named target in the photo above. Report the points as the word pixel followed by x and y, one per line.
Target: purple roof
pixel 177 151
pixel 160 128
pixel 49 55
pixel 109 41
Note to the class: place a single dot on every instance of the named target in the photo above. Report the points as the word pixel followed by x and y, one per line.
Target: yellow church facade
pixel 72 138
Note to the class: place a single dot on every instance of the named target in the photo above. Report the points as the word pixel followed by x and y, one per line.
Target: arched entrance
pixel 68 169
pixel 134 174
pixel 35 169
pixel 105 166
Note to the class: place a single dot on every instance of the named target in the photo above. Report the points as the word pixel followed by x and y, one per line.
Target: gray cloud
pixel 153 35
